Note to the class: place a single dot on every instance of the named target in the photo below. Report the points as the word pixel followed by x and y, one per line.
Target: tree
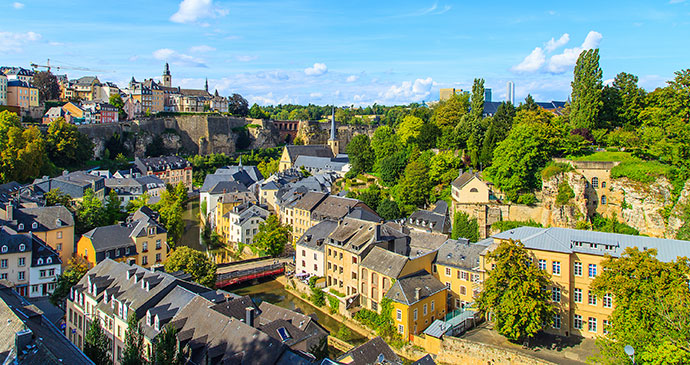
pixel 465 227
pixel 47 85
pixel 268 168
pixel 57 197
pixel 96 343
pixel 22 151
pixel 116 101
pixel 257 113
pixel 478 99
pixel 271 238
pixel 170 210
pixel 449 112
pixel 409 129
pixel 361 154
pixel 133 353
pixel 90 213
pixel 238 106
pixel 66 146
pixel 513 285
pixel 529 104
pixel 165 349
pixel 194 263
pixel 392 167
pixel 388 209
pixel 384 142
pixel 587 88
pixel 111 211
pixel 415 185
pixel 652 307
pixel 76 268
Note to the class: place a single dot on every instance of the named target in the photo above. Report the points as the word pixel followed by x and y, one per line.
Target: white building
pixel 244 221
pixel 309 250
pixel 45 268
pixel 3 89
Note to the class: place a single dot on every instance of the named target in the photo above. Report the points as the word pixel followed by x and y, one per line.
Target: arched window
pixel 20 227
pixel 595 182
pixel 49 260
pixel 603 199
pixel 39 261
pixel 603 184
pixel 34 225
pixel 474 190
pixel 4 249
pixel 22 247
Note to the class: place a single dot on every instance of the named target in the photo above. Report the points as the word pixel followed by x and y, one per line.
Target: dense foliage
pixel 465 227
pixel 271 237
pixel 96 343
pixel 76 268
pixel 194 263
pixel 133 353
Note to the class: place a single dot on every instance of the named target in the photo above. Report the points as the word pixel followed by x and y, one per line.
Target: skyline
pixel 354 53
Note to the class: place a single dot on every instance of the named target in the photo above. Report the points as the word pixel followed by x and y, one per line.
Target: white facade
pixel 244 224
pixel 309 260
pixel 3 89
pixel 43 278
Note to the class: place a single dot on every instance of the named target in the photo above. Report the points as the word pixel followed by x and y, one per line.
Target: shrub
pixel 527 199
pixel 508 225
pixel 344 333
pixel 555 168
pixel 318 297
pixel 565 193
pixel 335 292
pixel 334 303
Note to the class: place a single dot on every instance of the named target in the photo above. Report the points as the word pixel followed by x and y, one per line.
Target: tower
pixel 206 87
pixel 167 79
pixel 333 142
pixel 510 95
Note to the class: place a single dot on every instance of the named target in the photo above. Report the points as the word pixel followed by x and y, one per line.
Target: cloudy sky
pixel 349 52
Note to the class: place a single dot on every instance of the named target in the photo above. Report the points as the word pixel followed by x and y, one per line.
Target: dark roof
pixel 252 171
pixel 321 163
pixel 162 163
pixel 295 151
pixel 335 207
pixel 166 309
pixel 364 214
pixel 441 207
pixel 271 312
pixel 460 253
pixel 42 254
pixel 369 352
pixel 463 179
pixel 47 218
pixel 491 107
pixel 404 289
pixel 429 221
pixel 310 200
pixel 316 235
pixel 13 241
pixel 236 307
pixel 354 235
pixel 110 237
pixel 426 360
pixel 284 332
pixel 222 187
pixel 385 262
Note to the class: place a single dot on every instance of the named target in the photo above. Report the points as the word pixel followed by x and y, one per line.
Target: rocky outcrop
pixel 568 214
pixel 318 133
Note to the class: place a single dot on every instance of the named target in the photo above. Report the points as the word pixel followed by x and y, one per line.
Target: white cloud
pixel 317 70
pixel 246 58
pixel 10 41
pixel 352 78
pixel 408 91
pixel 176 58
pixel 315 95
pixel 201 49
pixel 532 62
pixel 192 10
pixel 554 44
pixel 564 61
pixel 676 1
pixel 18 5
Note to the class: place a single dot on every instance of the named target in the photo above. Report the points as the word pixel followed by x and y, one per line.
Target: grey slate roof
pixel 236 307
pixel 460 253
pixel 252 171
pixel 563 240
pixel 463 179
pixel 364 214
pixel 426 360
pixel 166 309
pixel 224 186
pixel 47 256
pixel 403 290
pixel 162 163
pixel 368 353
pixel 271 312
pixel 46 217
pixel 13 241
pixel 354 235
pixel 335 207
pixel 429 220
pixel 110 237
pixel 295 334
pixel 320 163
pixel 310 200
pixel 295 151
pixel 385 262
pixel 315 237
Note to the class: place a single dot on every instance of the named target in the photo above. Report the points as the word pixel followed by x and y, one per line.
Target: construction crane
pixel 48 67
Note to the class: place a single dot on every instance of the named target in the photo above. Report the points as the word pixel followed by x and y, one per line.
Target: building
pixel 314 165
pixel 140 241
pixel 291 152
pixel 418 299
pixel 447 93
pixel 309 249
pixel 3 89
pixel 28 337
pixel 304 332
pixel 101 112
pixel 53 114
pixel 73 184
pixel 510 92
pixel 458 266
pixel 17 263
pixel 171 169
pixel 18 73
pixel 132 188
pixel 302 212
pixel 241 223
pixel 487 95
pixel 436 220
pixel 374 351
pixel 468 188
pixel 46 266
pixel 132 107
pixel 21 94
pixel 167 78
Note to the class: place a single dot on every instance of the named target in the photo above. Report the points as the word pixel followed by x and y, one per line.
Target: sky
pixel 349 52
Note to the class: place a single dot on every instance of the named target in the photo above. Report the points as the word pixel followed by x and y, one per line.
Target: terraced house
pixel 171 169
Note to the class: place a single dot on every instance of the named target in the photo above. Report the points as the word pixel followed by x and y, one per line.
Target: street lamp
pixel 630 351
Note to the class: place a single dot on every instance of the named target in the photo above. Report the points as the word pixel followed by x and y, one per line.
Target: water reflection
pixel 190 218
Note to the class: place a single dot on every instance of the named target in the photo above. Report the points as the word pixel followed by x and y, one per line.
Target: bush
pixel 334 303
pixel 508 225
pixel 318 297
pixel 527 199
pixel 335 292
pixel 381 323
pixel 603 224
pixel 642 171
pixel 344 333
pixel 312 282
pixel 555 168
pixel 565 193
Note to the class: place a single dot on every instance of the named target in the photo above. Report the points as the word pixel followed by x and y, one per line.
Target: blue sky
pixel 349 52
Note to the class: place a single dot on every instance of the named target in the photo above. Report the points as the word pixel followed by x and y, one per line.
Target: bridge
pixel 246 270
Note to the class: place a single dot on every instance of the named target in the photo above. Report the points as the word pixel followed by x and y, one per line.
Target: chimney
pixel 416 293
pixel 22 339
pixel 249 316
pixel 9 211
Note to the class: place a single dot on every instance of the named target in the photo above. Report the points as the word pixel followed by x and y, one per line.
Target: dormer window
pixel 157 324
pixel 58 222
pixel 152 230
pixel 39 261
pixel 34 225
pixel 20 227
pixel 105 296
pixel 148 318
pixel 22 247
pixel 3 249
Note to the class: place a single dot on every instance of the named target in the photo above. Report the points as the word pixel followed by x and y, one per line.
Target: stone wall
pixel 459 351
pixel 318 133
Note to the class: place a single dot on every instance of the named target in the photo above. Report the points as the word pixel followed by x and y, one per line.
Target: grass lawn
pixel 606 156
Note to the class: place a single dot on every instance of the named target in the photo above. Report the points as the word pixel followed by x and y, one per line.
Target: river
pixel 190 217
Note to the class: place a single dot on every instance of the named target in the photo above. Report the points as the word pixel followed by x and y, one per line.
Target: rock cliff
pixel 564 215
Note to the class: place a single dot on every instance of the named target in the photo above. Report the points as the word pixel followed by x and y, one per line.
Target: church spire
pixel 206 84
pixel 333 142
pixel 332 124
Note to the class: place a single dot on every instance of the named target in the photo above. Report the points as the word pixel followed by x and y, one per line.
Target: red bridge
pixel 241 271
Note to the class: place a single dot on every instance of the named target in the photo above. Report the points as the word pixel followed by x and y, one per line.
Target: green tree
pixel 388 209
pixel 256 112
pixel 513 285
pixel 133 353
pixel 96 343
pixel 529 104
pixel 385 143
pixel 47 85
pixel 392 167
pixel 111 211
pixel 76 269
pixel 268 168
pixel 22 151
pixel 448 113
pixel 465 227
pixel 90 213
pixel 238 106
pixel 361 154
pixel 271 238
pixel 415 185
pixel 194 263
pixel 565 193
pixel 652 307
pixel 170 210
pixel 587 88
pixel 478 99
pixel 116 101
pixel 57 197
pixel 165 349
pixel 317 297
pixel 409 129
pixel 371 196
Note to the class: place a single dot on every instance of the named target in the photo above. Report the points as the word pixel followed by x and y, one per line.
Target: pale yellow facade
pixel 61 240
pixel 463 284
pixel 414 319
pixel 285 161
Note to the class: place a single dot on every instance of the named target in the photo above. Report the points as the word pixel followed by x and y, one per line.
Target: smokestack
pixel 249 316
pixel 9 211
pixel 416 293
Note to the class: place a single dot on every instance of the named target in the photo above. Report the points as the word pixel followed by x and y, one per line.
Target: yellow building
pixel 291 152
pixel 53 225
pixel 141 241
pixel 225 205
pixel 447 93
pixel 302 213
pixel 418 299
pixel 458 267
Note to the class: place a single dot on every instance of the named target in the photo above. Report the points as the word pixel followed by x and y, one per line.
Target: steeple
pixel 206 87
pixel 166 71
pixel 332 124
pixel 333 142
pixel 167 78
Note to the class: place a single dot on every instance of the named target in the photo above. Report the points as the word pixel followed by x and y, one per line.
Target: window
pixel 592 324
pixel 144 260
pixel 577 268
pixel 144 247
pixel 433 306
pixel 425 311
pixel 354 260
pixel 414 313
pixel 447 284
pixel 464 275
pixel 22 261
pixel 463 290
pixel 59 247
pixel 595 182
pixel 3 276
pixel 542 264
pixel 592 270
pixel 556 295
pixel 603 200
pixel 577 295
pixel 3 263
pixel 314 255
pixel 608 301
pixel 4 249
pixel 577 321
pixel 401 328
pixel 556 267
pixel 591 298
pixel 448 271
pixel 603 184
pixel 329 266
pixel 398 314
pixel 158 244
pixel 158 257
pixel 315 268
pixel 20 275
pixel 605 323
pixel 557 321
pixel 59 234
